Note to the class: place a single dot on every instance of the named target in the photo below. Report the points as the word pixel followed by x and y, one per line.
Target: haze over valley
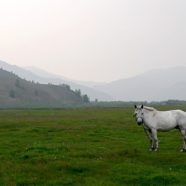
pixel 154 85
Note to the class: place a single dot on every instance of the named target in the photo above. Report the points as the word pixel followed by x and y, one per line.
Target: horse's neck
pixel 149 114
pixel 149 108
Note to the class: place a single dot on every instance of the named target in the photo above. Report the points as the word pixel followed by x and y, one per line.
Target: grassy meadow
pixel 88 146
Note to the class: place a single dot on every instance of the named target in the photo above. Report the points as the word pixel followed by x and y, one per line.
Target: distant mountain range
pixel 41 76
pixel 154 85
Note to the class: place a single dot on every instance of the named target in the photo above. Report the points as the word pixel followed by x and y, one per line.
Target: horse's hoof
pixel 183 150
pixel 152 149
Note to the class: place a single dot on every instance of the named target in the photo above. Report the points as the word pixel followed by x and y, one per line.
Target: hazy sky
pixel 99 40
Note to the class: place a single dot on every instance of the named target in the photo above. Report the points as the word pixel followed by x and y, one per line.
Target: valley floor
pixel 91 146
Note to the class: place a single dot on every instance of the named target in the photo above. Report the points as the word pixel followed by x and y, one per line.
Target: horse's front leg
pixel 149 135
pixel 155 139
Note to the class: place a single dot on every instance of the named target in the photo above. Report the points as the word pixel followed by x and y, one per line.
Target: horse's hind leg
pixel 183 133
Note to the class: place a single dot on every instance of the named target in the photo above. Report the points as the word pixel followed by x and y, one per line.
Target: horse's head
pixel 138 114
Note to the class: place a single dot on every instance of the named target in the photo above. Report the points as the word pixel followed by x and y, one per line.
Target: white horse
pixel 154 120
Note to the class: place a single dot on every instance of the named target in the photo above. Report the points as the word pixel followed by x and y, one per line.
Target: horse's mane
pixel 149 108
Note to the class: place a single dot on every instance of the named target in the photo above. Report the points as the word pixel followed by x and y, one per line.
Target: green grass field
pixel 92 146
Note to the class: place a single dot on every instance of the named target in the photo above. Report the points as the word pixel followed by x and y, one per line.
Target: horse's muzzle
pixel 139 121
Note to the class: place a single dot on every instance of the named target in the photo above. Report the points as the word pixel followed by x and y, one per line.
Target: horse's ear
pixel 135 106
pixel 142 106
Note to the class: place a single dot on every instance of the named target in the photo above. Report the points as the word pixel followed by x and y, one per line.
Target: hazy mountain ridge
pixel 41 76
pixel 43 73
pixel 17 92
pixel 154 85
pixel 85 86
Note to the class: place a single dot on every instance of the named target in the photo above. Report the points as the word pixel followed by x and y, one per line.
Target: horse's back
pixel 173 114
pixel 167 120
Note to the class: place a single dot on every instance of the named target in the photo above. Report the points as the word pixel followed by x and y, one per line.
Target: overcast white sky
pixel 98 40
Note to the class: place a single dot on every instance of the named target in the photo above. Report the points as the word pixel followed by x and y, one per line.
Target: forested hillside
pixel 17 92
